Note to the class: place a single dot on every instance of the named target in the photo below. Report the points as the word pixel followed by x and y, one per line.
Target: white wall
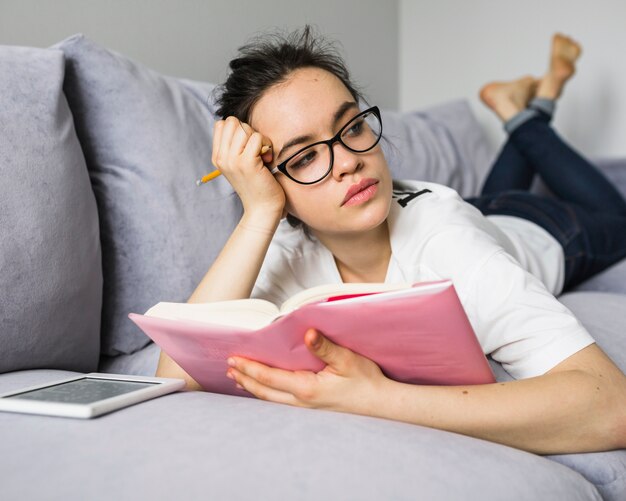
pixel 406 53
pixel 196 38
pixel 449 48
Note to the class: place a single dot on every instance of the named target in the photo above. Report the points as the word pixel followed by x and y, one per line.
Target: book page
pixel 246 313
pixel 417 290
pixel 322 292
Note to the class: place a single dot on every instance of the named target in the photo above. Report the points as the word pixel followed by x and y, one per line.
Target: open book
pixel 257 313
pixel 416 334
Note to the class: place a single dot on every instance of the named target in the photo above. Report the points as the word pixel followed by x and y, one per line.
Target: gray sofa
pixel 100 216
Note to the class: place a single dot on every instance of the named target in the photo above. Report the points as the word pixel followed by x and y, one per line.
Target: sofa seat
pixel 196 445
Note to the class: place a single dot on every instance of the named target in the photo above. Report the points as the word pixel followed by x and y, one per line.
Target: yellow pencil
pixel 208 177
pixel 216 172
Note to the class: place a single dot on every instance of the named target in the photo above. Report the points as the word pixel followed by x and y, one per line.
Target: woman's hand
pixel 237 153
pixel 348 383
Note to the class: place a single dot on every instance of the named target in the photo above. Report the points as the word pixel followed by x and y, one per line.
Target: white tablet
pixel 87 395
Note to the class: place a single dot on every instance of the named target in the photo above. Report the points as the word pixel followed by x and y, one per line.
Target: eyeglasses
pixel 314 162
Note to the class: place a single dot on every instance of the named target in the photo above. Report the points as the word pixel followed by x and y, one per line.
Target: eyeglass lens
pixel 359 135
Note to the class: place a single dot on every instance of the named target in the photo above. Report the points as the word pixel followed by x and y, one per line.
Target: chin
pixel 374 218
pixel 367 217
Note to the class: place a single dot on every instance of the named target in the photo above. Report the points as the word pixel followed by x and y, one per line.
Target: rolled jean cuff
pixel 543 104
pixel 519 119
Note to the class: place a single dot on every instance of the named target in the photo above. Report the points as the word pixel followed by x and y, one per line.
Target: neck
pixel 362 257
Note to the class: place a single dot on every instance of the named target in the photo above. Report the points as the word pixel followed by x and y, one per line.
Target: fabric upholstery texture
pixel 442 144
pixel 143 362
pixel 147 139
pixel 209 446
pixel 50 263
pixel 604 316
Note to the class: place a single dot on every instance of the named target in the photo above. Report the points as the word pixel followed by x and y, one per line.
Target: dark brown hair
pixel 269 59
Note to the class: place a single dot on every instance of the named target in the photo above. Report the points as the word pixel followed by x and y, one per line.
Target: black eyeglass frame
pixel 282 167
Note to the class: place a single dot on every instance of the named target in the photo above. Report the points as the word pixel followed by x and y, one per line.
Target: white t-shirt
pixel 535 249
pixel 436 235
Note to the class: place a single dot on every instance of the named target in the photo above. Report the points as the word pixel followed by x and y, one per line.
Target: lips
pixel 356 188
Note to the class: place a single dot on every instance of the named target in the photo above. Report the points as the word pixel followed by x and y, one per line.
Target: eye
pixel 355 128
pixel 303 160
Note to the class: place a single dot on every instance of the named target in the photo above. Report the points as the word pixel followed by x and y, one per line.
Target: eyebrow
pixel 341 111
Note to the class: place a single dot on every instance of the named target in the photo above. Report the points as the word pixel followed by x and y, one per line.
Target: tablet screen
pixel 83 391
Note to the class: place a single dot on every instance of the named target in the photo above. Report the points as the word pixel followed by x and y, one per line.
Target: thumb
pixel 324 349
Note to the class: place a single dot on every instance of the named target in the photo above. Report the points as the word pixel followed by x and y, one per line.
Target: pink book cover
pixel 417 338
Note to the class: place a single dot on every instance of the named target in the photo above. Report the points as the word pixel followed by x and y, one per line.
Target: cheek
pixel 299 205
pixel 305 202
pixel 292 195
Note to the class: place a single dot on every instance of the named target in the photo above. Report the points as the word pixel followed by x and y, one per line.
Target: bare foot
pixel 565 52
pixel 507 99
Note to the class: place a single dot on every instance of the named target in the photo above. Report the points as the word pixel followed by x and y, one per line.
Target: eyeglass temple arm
pixel 274 170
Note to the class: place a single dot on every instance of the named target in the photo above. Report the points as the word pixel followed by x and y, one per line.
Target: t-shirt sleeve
pixel 268 287
pixel 516 319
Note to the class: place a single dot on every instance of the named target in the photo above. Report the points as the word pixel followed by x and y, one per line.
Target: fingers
pixel 255 147
pixel 265 375
pixel 232 141
pixel 233 138
pixel 259 390
pixel 266 144
pixel 267 383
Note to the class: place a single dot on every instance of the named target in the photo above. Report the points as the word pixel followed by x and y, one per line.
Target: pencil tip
pixel 198 182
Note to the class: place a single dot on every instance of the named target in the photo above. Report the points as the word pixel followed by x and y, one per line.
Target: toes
pixel 565 47
pixel 487 91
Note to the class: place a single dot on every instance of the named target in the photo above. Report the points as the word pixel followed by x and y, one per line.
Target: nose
pixel 345 161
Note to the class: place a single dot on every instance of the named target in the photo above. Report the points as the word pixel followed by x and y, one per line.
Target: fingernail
pixel 230 375
pixel 231 362
pixel 265 149
pixel 317 341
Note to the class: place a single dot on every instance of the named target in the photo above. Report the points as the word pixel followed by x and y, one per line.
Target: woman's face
pixel 306 106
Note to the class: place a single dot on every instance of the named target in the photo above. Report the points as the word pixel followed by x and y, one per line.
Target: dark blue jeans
pixel 587 215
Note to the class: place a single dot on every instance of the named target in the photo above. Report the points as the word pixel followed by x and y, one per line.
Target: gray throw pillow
pixel 50 263
pixel 146 138
pixel 443 144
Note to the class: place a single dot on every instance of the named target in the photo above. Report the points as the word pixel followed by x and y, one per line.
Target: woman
pixel 349 222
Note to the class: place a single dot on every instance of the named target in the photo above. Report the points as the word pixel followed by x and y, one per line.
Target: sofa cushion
pixel 143 362
pixel 50 263
pixel 612 280
pixel 604 316
pixel 147 139
pixel 443 144
pixel 211 446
